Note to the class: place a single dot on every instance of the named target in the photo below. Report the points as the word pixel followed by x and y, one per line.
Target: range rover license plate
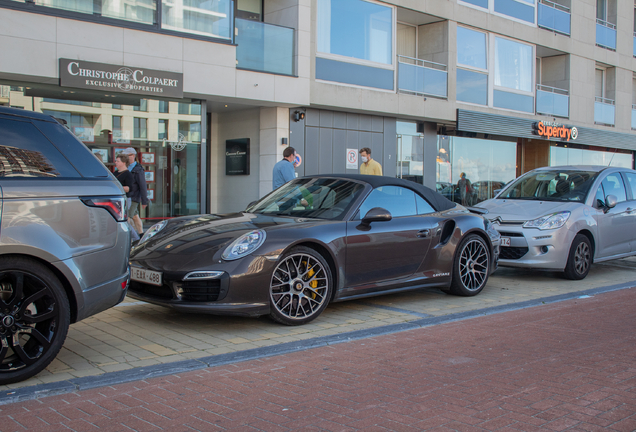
pixel 505 241
pixel 146 276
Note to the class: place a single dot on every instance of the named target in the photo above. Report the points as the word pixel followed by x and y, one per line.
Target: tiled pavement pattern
pixel 563 366
pixel 136 334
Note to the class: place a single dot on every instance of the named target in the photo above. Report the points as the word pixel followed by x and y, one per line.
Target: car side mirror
pixel 611 201
pixel 376 214
pixel 251 204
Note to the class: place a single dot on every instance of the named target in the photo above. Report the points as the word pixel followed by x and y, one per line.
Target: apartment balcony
pixel 604 111
pixel 553 16
pixel 605 34
pixel 422 77
pixel 553 101
pixel 633 116
pixel 634 48
pixel 264 47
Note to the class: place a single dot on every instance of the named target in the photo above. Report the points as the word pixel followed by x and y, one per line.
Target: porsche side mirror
pixel 376 214
pixel 611 201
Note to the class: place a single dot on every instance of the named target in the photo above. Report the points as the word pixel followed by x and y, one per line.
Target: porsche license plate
pixel 146 276
pixel 505 241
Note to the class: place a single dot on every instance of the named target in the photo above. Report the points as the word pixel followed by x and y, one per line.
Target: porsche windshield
pixel 321 198
pixel 557 185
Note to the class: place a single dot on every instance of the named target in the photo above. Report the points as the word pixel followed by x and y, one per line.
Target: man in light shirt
pixel 369 166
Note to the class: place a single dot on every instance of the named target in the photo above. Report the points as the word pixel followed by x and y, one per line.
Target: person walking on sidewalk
pixel 284 169
pixel 368 165
pixel 138 191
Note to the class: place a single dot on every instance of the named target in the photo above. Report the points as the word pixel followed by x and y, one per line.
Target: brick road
pixel 563 366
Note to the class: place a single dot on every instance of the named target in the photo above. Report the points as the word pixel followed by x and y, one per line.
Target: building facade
pixel 210 93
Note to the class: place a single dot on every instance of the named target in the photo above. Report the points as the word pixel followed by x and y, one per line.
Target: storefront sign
pixel 555 130
pixel 121 79
pixel 237 157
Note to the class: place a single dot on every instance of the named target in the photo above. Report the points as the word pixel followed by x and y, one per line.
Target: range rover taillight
pixel 116 206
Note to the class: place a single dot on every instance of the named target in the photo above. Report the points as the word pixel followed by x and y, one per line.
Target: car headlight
pixel 152 231
pixel 244 245
pixel 551 221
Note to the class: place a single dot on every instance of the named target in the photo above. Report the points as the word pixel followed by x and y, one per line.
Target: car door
pixel 389 250
pixel 615 223
pixel 630 183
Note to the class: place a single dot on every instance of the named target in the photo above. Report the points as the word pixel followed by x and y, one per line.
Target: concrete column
pixel 274 126
pixel 581 92
pixel 429 137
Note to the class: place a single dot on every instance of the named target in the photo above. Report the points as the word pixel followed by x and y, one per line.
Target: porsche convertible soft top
pixel 436 200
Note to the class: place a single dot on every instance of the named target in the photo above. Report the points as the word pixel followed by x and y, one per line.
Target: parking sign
pixel 352 158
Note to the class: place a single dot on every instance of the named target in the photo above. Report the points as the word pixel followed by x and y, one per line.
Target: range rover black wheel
pixel 300 288
pixel 34 318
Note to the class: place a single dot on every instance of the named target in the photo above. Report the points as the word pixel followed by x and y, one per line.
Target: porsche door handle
pixel 423 233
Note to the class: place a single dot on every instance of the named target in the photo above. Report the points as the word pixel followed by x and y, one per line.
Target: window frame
pixel 353 60
pixel 491 10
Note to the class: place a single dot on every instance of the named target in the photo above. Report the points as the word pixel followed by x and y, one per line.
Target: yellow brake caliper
pixel 313 283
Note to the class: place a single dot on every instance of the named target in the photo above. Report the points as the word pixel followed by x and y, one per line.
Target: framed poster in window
pixel 150 176
pixel 147 158
pixel 84 134
pixel 151 194
pixel 237 157
pixel 119 150
pixel 101 153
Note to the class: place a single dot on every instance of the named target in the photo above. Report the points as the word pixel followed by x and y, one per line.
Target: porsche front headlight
pixel 551 221
pixel 244 245
pixel 152 231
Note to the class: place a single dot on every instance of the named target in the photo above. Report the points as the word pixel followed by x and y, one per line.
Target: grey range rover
pixel 64 239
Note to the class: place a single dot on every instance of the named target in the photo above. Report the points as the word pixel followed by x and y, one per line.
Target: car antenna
pixel 612 158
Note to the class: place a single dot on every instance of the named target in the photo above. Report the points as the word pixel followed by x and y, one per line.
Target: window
pixel 25 152
pixel 116 123
pixel 472 66
pixel 599 82
pixel 116 106
pixel 143 106
pixel 397 200
pixel 186 108
pixel 601 9
pixel 163 130
pixel 613 185
pixel 522 10
pixel 355 43
pixel 200 17
pixel 191 131
pixel 510 86
pixel 356 28
pixel 631 181
pixel 423 207
pixel 140 128
pixel 164 107
pixel 514 86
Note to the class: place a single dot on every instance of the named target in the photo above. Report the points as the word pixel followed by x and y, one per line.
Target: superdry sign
pixel 121 79
pixel 555 130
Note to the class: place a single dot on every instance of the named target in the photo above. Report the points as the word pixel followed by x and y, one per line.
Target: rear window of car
pixel 26 152
pixel 75 151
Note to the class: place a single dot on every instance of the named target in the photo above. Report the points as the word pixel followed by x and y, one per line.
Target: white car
pixel 565 218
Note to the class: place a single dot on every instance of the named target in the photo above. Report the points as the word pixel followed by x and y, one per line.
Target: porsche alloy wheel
pixel 300 287
pixel 471 266
pixel 34 318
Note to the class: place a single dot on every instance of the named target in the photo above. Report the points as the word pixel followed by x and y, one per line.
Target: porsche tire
pixel 471 267
pixel 300 287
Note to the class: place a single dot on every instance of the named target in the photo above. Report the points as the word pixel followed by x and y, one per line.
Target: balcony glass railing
pixel 634 44
pixel 604 111
pixel 553 101
pixel 264 47
pixel 553 16
pixel 633 116
pixel 605 34
pixel 422 77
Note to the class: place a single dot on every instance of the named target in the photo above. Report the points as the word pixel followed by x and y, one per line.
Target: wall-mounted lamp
pixel 298 116
pixel 283 141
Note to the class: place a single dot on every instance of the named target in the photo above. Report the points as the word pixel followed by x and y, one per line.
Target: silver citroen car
pixel 64 239
pixel 565 218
